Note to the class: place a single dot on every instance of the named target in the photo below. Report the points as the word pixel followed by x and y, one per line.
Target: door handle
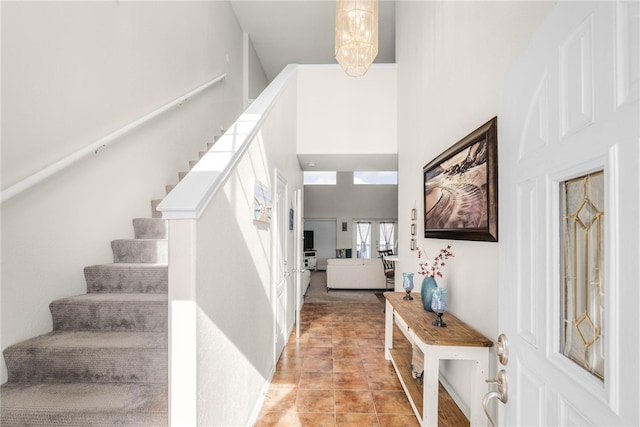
pixel 501 394
pixel 502 349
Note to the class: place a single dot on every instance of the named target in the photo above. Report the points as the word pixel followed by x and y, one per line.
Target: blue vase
pixel 407 285
pixel 426 291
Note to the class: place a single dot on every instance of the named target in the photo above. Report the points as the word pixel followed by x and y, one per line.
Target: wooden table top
pixel 456 333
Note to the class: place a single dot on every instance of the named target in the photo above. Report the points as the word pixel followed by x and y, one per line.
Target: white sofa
pixel 354 273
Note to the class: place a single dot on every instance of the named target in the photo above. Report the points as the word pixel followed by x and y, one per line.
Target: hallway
pixel 336 374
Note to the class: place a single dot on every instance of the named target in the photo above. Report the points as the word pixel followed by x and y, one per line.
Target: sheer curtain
pixel 387 232
pixel 363 239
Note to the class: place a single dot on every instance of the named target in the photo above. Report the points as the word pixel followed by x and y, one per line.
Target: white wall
pixel 450 58
pixel 71 73
pixel 221 270
pixel 324 239
pixel 257 78
pixel 346 115
pixel 342 115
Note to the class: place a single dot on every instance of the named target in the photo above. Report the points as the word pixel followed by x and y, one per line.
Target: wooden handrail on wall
pixel 97 146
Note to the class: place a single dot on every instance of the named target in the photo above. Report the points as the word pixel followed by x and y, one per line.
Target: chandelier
pixel 356 35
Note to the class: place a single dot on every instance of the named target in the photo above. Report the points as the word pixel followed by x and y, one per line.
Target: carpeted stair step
pixel 83 404
pixel 181 175
pixel 154 212
pixel 201 154
pixel 127 278
pixel 89 357
pixel 150 228
pixel 192 163
pixel 140 250
pixel 168 188
pixel 111 312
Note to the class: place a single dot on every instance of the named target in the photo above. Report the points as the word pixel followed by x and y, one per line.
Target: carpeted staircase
pixel 105 363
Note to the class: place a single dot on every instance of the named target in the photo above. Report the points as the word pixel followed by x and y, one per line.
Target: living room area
pixel 350 218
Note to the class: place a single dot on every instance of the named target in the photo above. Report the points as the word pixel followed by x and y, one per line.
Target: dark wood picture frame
pixel 461 188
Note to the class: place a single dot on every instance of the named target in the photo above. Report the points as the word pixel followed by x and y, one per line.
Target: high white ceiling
pixel 302 32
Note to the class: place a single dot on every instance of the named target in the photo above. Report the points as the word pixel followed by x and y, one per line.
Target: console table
pixel 456 341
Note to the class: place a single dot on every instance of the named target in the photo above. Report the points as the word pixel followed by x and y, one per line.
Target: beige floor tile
pixel 357 420
pixel 350 381
pixel 315 401
pixel 354 402
pixel 336 374
pixel 316 380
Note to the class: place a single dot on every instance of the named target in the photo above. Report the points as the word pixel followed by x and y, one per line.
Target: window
pixel 371 236
pixel 319 178
pixel 375 178
pixel 583 289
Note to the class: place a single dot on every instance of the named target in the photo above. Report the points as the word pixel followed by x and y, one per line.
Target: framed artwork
pixel 461 188
pixel 290 219
pixel 261 203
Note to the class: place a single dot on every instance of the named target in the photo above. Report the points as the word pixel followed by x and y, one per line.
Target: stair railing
pixel 192 194
pixel 97 146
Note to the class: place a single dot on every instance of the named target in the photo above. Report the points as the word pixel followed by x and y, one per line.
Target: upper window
pixel 375 177
pixel 319 178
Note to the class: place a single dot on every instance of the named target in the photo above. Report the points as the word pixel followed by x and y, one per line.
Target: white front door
pixel 568 109
pixel 281 272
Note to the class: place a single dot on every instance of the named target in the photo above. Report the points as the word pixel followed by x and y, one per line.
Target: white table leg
pixel 479 388
pixel 431 379
pixel 388 330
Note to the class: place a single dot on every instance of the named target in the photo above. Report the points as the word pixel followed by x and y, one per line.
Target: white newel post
pixel 182 323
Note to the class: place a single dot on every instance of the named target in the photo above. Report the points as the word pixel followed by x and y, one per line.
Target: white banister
pixel 96 146
pixel 192 194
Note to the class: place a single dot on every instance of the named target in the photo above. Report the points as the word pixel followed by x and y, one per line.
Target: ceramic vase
pixel 426 291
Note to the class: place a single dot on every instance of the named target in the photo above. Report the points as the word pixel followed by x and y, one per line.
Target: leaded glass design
pixel 583 256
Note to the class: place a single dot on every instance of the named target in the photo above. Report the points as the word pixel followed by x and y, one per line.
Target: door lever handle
pixel 502 349
pixel 501 394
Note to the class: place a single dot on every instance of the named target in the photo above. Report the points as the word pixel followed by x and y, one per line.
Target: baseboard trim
pixel 456 398
pixel 263 394
pixel 265 387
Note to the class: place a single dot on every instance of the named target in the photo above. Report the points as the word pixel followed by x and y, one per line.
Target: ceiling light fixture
pixel 356 35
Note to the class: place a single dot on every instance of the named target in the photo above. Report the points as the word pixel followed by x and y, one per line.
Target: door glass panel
pixel 583 288
pixel 363 239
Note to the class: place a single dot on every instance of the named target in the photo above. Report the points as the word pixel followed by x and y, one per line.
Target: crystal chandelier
pixel 356 35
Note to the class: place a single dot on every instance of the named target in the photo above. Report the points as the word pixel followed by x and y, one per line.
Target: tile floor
pixel 335 374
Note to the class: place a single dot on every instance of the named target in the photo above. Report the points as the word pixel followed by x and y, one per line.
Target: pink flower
pixel 432 268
